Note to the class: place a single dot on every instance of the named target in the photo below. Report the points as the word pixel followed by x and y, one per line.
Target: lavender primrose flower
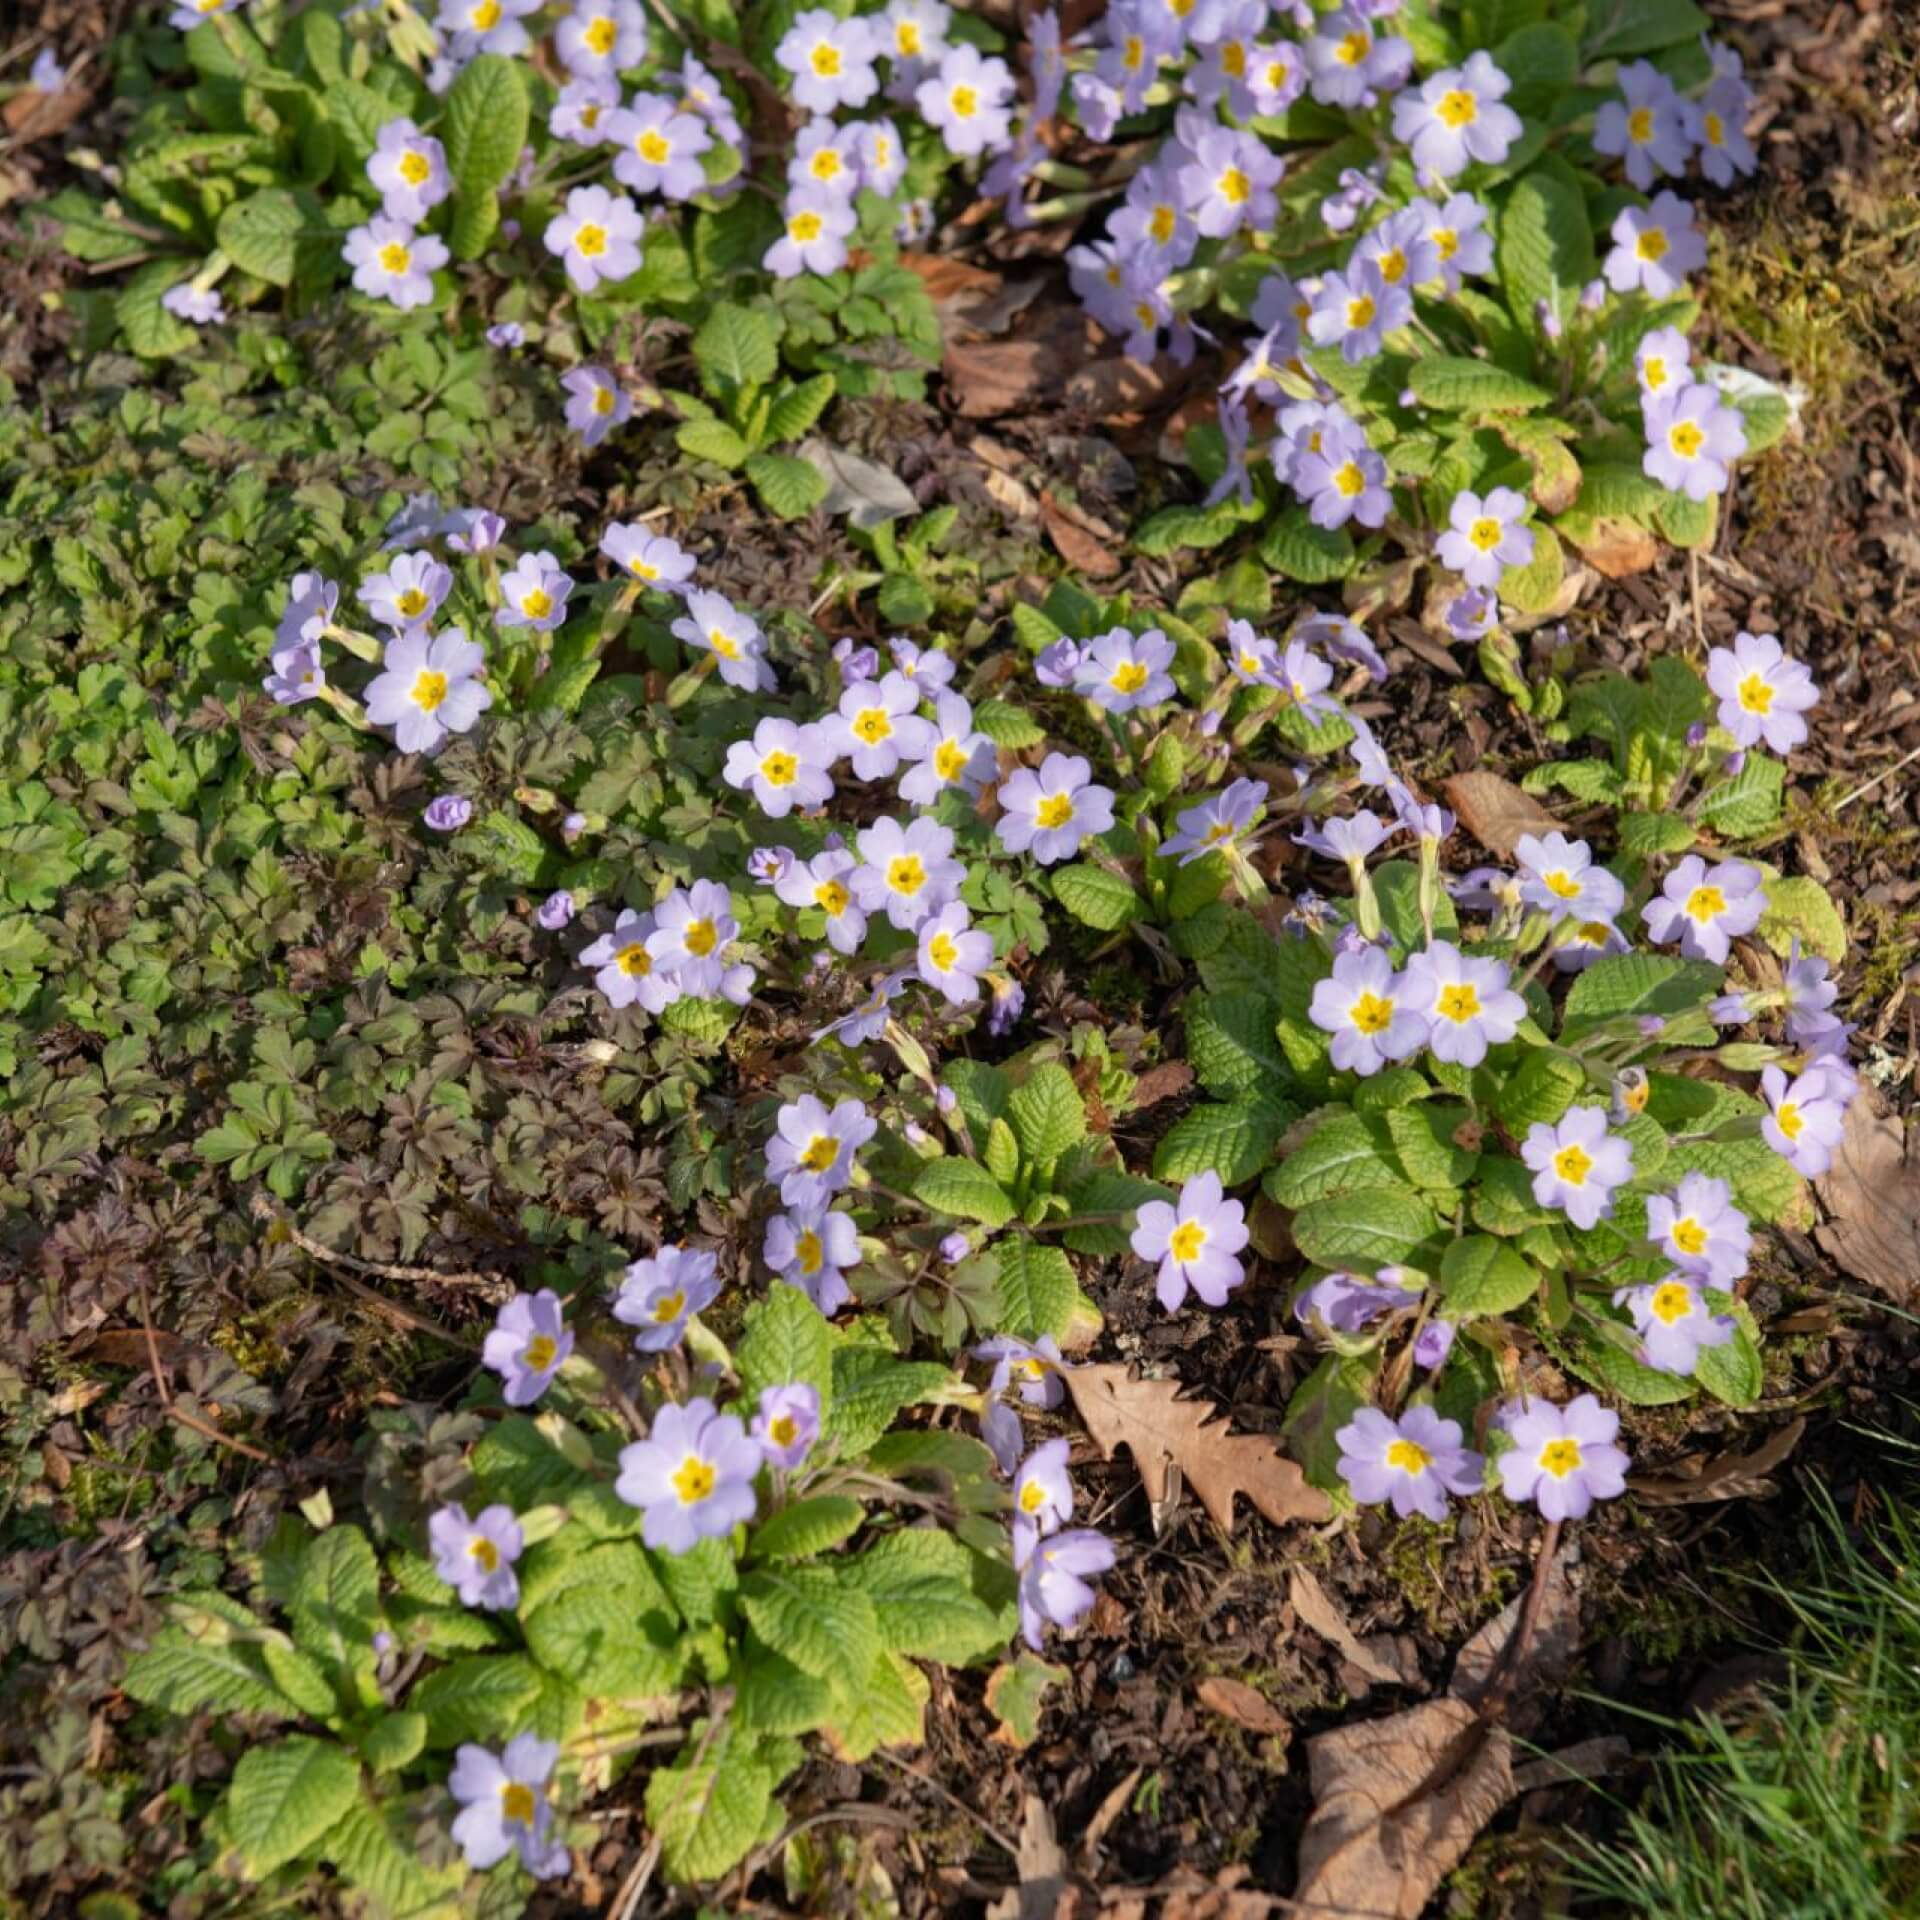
pixel 1032 1369
pixel 692 1476
pixel 409 170
pixel 582 110
pixel 658 147
pixel 1048 813
pixel 1009 1002
pixel 855 663
pixel 824 155
pixel 602 37
pixel 1216 824
pixel 953 953
pixel 961 756
pixel 596 403
pixel 1577 1164
pixel 876 726
pixel 1705 910
pixel 1563 1459
pixel 1562 878
pixel 418 520
pixel 661 1294
pixel 966 102
pixel 1053 1579
pixel 787 1424
pixel 818 222
pixel 1693 438
pixel 1807 1117
pixel 1458 230
pixel 472 529
pixel 1042 1492
pixel 391 262
pixel 1432 1344
pixel 868 1020
pixel 1363 1005
pixel 692 929
pixel 528 1345
pixel 448 812
pixel 1231 182
pixel 625 969
pixel 784 766
pixel 1579 943
pixel 1655 248
pixel 1484 536
pixel 1412 1463
pixel 929 668
pixel 428 688
pixel 1466 1003
pixel 1456 117
pixel 1345 1303
pixel 831 61
pixel 822 882
pixel 504 1805
pixel 1003 1435
pixel 533 593
pixel 1660 362
pixel 597 236
pixel 1762 693
pixel 1808 995
pixel 201 305
pixel 1674 1322
pixel 1343 480
pixel 1473 615
pixel 1056 664
pixel 1717 125
pixel 812 1151
pixel 651 558
pixel 1347 65
pixel 1700 1230
pixel 408 594
pixel 556 910
pixel 1194 1242
pixel 713 623
pixel 1355 310
pixel 1646 126
pixel 814 1248
pixel 909 872
pixel 475 1557
pixel 46 75
pixel 1121 673
pixel 296 674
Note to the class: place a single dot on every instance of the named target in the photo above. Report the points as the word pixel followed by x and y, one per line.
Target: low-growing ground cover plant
pixel 492 867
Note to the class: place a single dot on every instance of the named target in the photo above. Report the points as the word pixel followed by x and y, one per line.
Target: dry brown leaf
pixel 1317 1610
pixel 1110 388
pixel 1106 1813
pixel 1397 1803
pixel 1495 811
pixel 1078 546
pixel 1726 1476
pixel 1578 1765
pixel 1160 1430
pixel 1548 1653
pixel 1617 547
pixel 946 278
pixel 1245 1706
pixel 1871 1195
pixel 1162 1083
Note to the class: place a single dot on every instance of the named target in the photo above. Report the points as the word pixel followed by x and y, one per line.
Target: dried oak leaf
pixel 1245 1706
pixel 1495 811
pixel 1317 1610
pixel 1164 1432
pixel 1078 545
pixel 1614 545
pixel 1871 1195
pixel 1726 1476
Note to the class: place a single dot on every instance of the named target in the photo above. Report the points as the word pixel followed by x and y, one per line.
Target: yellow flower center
pixel 429 690
pixel 822 1151
pixel 1459 1002
pixel 1689 1236
pixel 517 1801
pixel 1704 904
pixel 602 400
pixel 826 60
pixel 1360 311
pixel 700 938
pixel 1162 225
pixel 654 147
pixel 591 240
pixel 1755 694
pixel 634 961
pixel 600 35
pixel 1030 1368
pixel 1559 1458
pixel 1573 1164
pixel 1685 438
pixel 779 769
pixel 1054 811
pixel 1787 1117
pixel 1672 1302
pixel 783 1429
pixel 590 115
pixel 949 762
pixel 723 643
pixel 669 1307
pixel 394 258
pixel 1350 480
pixel 1133 53
pixel 1033 1496
pixel 1652 245
pixel 965 102
pixel 1485 533
pixel 693 1480
pixel 810 1254
pixel 1392 265
pixel 1354 48
pixel 1715 129
pixel 536 603
pixel 410 602
pixel 641 570
pixel 1563 885
pixel 485 15
pixel 906 36
pixel 1458 108
pixel 832 897
pixel 1233 59
pixel 540 1352
pixel 907 874
pixel 1654 372
pixel 825 164
pixel 1234 187
pixel 414 167
pixel 1446 242
pixel 1371 1014
pixel 943 953
pixel 1187 1240
pixel 1640 126
pixel 882 152
pixel 483 1553
pixel 873 724
pixel 1128 677
pixel 1409 1456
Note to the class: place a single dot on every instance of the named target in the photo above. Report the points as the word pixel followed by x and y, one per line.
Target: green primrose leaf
pixel 737 347
pixel 1036 1288
pixel 285 1796
pixel 486 122
pixel 1800 908
pixel 1479 1274
pixel 1096 896
pixel 964 1189
pixel 1048 1114
pixel 786 1341
pixel 1473 386
pixel 1544 244
pixel 806 1528
pixel 1367 1228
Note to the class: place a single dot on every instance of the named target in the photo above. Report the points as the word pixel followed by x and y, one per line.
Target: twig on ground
pixel 174 1411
